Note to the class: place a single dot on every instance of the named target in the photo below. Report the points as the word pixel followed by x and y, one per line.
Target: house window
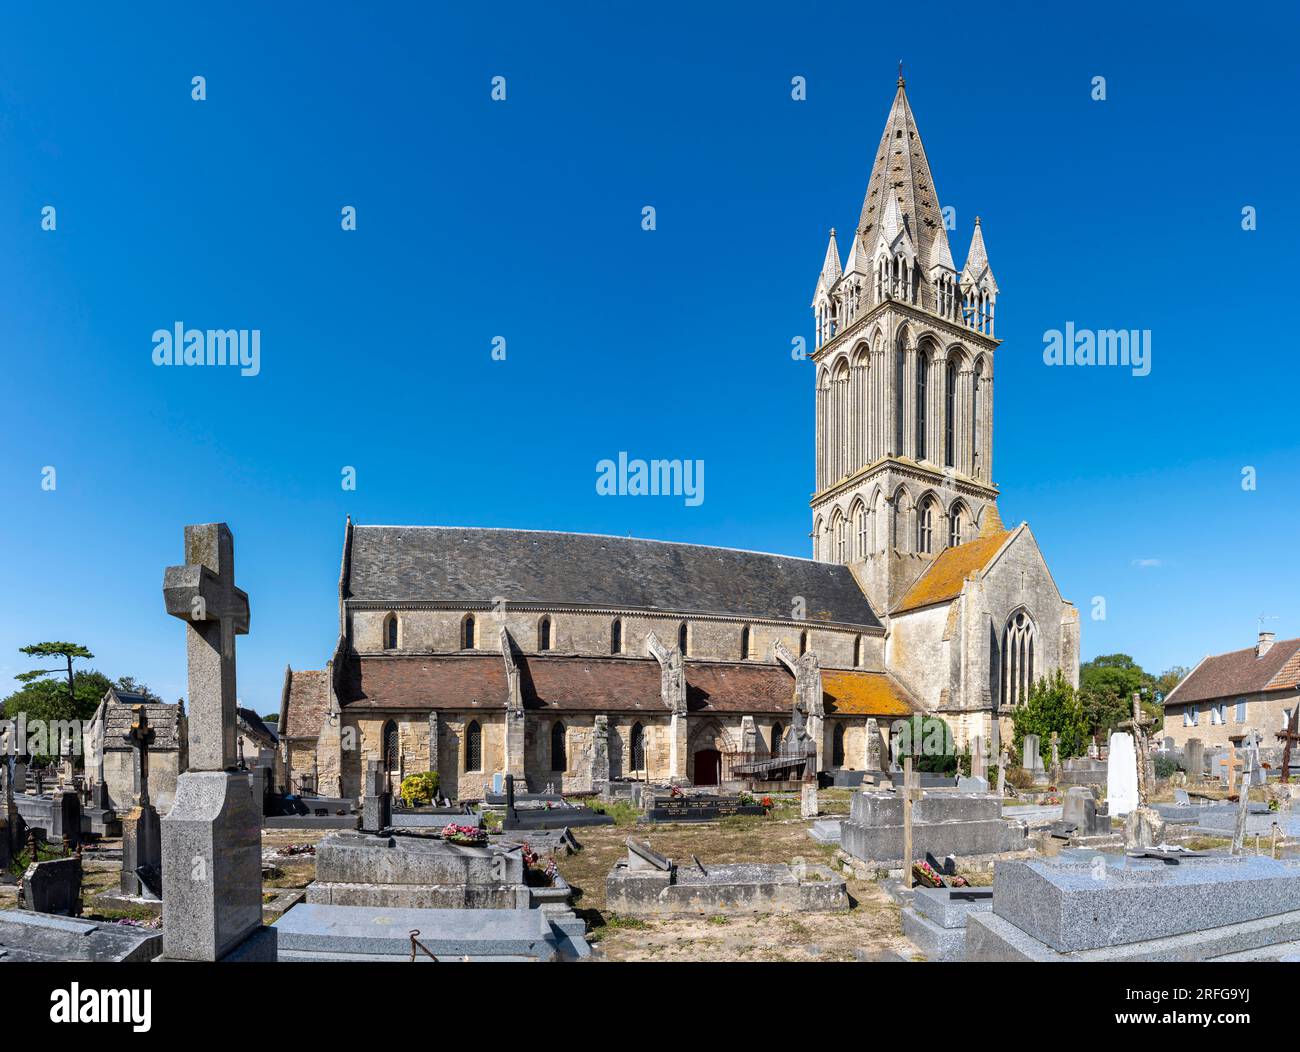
pixel 1218 714
pixel 559 755
pixel 1187 717
pixel 467 633
pixel 616 637
pixel 1196 715
pixel 1241 710
pixel 638 747
pixel 390 632
pixel 544 634
pixel 777 731
pixel 473 746
pixel 837 746
pixel 744 642
pixel 682 639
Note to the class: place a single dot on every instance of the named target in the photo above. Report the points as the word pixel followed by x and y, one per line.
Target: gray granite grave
pixel 314 932
pixel 212 837
pixel 943 823
pixel 1079 809
pixel 935 922
pixel 53 886
pixel 36 937
pixel 357 869
pixel 646 883
pixel 1086 906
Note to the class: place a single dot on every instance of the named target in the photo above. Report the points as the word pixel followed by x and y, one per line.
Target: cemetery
pixel 1091 858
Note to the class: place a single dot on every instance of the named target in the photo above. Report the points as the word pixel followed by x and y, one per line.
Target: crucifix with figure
pixel 1138 724
pixel 140 737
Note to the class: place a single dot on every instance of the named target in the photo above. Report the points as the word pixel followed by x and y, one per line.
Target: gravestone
pixel 1121 774
pixel 1079 808
pixel 65 818
pixel 1002 771
pixel 141 829
pixel 978 763
pixel 1033 762
pixel 974 784
pixel 212 837
pixel 376 801
pixel 54 886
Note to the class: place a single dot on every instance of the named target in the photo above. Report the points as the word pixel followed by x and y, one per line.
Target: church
pixel 569 660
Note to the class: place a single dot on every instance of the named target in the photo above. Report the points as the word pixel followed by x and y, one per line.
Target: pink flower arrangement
pixel 457 834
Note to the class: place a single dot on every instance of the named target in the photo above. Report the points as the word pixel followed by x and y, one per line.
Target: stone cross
pixel 1056 753
pixel 1243 803
pixel 202 593
pixel 1138 725
pixel 1232 763
pixel 140 737
pixel 1002 770
pixel 911 794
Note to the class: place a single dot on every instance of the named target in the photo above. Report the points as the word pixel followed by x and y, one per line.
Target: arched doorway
pixel 708 767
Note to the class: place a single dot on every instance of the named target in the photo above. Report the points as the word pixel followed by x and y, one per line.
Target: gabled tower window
pixel 954 527
pixel 925 529
pixel 544 634
pixel 390 632
pixel 473 746
pixel 559 754
pixel 467 632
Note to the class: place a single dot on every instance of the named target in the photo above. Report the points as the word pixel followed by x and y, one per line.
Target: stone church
pixel 571 659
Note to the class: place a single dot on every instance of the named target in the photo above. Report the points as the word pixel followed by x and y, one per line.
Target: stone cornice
pixel 936 477
pixel 661 615
pixel 913 312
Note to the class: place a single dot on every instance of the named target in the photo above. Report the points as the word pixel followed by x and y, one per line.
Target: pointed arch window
pixel 1017 658
pixel 922 387
pixel 390 632
pixel 544 634
pixel 861 522
pixel 559 752
pixel 857 651
pixel 683 639
pixel 777 732
pixel 925 529
pixel 467 632
pixel 392 747
pixel 955 525
pixel 744 642
pixel 977 453
pixel 473 746
pixel 837 746
pixel 803 643
pixel 638 747
pixel 616 636
pixel 950 416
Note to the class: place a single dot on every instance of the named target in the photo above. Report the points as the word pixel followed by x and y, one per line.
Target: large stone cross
pixel 202 593
pixel 1232 763
pixel 140 737
pixel 1138 725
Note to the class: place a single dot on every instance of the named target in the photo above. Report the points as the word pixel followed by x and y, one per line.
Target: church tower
pixel 904 357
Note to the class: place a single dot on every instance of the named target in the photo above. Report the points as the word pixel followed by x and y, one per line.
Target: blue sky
pixel 522 219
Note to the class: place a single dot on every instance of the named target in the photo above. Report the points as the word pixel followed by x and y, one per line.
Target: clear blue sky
pixel 522 219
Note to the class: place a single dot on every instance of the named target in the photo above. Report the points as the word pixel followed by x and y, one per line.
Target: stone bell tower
pixel 904 385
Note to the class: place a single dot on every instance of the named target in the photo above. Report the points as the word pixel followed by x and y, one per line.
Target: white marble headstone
pixel 1121 774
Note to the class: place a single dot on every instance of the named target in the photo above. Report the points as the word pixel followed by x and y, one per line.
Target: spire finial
pixel 901 82
pixel 832 231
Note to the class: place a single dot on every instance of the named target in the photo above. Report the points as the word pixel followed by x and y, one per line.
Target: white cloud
pixel 1146 564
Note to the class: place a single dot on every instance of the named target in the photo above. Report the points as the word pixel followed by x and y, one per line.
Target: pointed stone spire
pixel 900 178
pixel 977 261
pixel 831 265
pixel 858 261
pixel 940 253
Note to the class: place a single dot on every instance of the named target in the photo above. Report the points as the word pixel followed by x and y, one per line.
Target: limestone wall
pixel 1264 712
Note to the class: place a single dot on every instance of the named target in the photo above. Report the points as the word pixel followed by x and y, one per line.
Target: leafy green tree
pixel 47 700
pixel 929 741
pixel 1053 705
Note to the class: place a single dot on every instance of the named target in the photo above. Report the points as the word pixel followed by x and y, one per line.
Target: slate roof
pixel 253 726
pixel 394 564
pixel 307 703
pixel 1241 672
pixel 613 684
pixel 164 718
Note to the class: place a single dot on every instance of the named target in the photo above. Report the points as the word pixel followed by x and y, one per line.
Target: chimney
pixel 1264 645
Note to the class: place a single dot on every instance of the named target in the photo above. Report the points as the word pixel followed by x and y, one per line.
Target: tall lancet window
pixel 390 632
pixel 898 400
pixel 1017 659
pixel 922 387
pixel 925 528
pixel 977 452
pixel 950 416
pixel 638 747
pixel 860 520
pixel 744 642
pixel 544 634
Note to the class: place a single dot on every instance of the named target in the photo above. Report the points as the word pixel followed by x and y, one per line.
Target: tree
pixel 67 651
pixel 47 701
pixel 1107 685
pixel 1053 705
pixel 133 686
